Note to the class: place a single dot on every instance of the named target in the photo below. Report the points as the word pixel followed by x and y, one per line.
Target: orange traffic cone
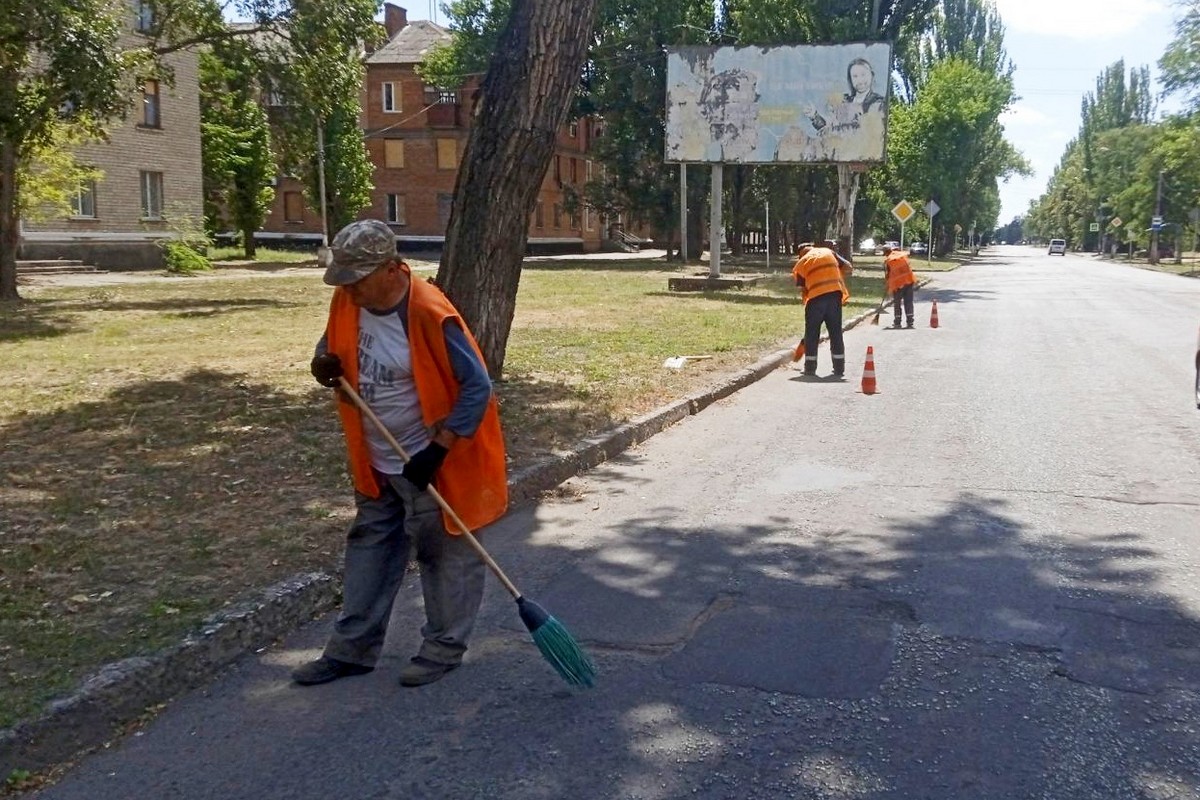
pixel 868 379
pixel 933 323
pixel 799 354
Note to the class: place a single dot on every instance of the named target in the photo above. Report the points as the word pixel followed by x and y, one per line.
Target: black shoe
pixel 896 324
pixel 909 326
pixel 326 669
pixel 421 671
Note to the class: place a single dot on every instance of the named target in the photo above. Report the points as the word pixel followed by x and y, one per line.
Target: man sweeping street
pixel 403 347
pixel 820 274
pixel 901 283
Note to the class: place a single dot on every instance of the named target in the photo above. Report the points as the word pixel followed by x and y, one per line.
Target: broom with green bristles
pixel 555 642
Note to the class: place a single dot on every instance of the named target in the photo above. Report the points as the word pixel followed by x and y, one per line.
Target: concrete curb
pixel 122 691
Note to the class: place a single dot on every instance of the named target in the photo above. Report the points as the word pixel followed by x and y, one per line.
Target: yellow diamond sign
pixel 903 211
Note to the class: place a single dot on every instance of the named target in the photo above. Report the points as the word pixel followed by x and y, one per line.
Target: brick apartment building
pixel 415 135
pixel 150 171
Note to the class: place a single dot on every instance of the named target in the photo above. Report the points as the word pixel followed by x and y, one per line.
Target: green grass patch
pixel 262 254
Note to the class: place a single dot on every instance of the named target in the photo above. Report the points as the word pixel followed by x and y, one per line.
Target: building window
pixel 391 97
pixel 83 202
pixel 143 12
pixel 152 195
pixel 293 207
pixel 539 215
pixel 573 128
pixel 447 98
pixel 574 170
pixel 447 153
pixel 273 95
pixel 151 110
pixel 558 169
pixel 393 153
pixel 588 170
pixel 587 218
pixel 557 215
pixel 395 209
pixel 445 203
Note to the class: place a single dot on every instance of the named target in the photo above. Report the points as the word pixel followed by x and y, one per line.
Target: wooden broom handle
pixel 441 501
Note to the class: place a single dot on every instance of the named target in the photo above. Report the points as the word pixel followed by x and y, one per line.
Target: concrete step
pixel 58 266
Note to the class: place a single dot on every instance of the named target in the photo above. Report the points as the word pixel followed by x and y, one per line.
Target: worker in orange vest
pixel 901 283
pixel 401 345
pixel 821 274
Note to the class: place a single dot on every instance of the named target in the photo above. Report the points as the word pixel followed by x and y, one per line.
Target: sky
pixel 1059 48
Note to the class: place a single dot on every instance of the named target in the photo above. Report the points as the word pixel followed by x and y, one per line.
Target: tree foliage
pixel 1180 63
pixel 948 145
pixel 235 142
pixel 60 64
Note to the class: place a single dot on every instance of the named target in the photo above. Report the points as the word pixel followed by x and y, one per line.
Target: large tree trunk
pixel 525 98
pixel 9 232
pixel 249 246
pixel 844 216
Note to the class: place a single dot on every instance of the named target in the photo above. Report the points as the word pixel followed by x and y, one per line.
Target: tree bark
pixel 249 246
pixel 844 219
pixel 525 97
pixel 10 235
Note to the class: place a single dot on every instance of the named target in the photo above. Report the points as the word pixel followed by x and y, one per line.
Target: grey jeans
pixel 378 545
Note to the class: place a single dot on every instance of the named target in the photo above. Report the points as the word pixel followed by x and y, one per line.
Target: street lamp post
pixel 1158 216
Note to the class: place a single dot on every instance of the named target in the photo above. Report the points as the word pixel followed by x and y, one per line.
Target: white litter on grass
pixel 679 362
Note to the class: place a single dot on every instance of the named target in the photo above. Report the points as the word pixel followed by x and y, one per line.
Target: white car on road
pixel 1058 246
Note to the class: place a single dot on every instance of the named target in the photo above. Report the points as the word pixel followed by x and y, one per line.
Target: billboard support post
pixel 683 231
pixel 714 224
pixel 767 233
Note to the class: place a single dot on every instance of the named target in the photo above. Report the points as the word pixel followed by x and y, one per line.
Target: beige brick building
pixel 151 174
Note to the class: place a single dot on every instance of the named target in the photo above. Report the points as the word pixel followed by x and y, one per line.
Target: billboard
pixel 807 104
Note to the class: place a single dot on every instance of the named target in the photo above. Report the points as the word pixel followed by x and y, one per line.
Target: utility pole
pixel 1157 222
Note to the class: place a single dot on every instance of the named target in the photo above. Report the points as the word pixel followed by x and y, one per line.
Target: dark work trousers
pixel 824 310
pixel 903 294
pixel 386 530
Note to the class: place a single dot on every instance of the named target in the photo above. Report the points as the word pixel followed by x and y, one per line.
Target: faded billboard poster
pixel 788 104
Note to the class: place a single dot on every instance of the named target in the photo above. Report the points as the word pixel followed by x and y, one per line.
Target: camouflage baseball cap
pixel 359 249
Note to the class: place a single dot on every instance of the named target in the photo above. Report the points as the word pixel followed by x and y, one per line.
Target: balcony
pixel 445 111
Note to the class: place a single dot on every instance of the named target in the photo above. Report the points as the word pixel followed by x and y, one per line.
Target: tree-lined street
pixel 981 582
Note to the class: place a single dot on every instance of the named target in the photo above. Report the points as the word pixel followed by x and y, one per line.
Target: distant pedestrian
pixel 404 348
pixel 901 283
pixel 821 274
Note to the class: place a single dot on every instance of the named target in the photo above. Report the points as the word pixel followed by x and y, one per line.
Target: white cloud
pixel 1079 19
pixel 1023 115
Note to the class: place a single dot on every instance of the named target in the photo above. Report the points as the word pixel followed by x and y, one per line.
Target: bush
pixel 183 259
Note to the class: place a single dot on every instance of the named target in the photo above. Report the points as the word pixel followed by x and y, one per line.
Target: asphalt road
pixel 981 582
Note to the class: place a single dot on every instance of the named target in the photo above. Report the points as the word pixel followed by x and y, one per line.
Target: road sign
pixel 903 211
pixel 1116 222
pixel 932 208
pixel 1094 227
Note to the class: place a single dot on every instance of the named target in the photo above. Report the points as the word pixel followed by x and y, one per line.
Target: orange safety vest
pixel 473 478
pixel 899 271
pixel 822 274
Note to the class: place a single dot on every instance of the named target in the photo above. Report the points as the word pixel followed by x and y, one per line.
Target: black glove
pixel 327 368
pixel 421 467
